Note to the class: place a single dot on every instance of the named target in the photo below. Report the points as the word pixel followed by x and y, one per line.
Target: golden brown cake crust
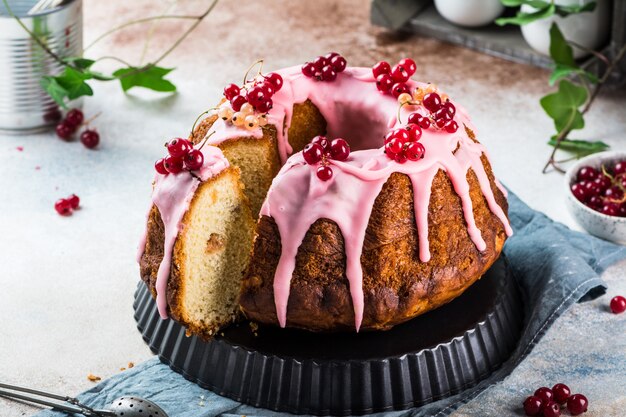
pixel 397 285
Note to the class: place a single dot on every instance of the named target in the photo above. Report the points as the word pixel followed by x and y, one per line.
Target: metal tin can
pixel 24 105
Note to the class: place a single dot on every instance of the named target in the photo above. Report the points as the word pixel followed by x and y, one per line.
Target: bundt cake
pixel 385 206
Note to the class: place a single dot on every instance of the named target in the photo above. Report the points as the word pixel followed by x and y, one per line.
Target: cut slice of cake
pixel 206 224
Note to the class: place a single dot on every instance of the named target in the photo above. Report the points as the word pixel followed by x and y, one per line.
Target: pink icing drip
pixel 172 195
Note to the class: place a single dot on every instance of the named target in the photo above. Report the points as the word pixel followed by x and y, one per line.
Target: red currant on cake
pixel 193 160
pixel 393 79
pixel 178 147
pixel 324 172
pixel 313 153
pixel 159 166
pixel 325 68
pixel 339 149
pixel 275 79
pixel 432 102
pixel 618 304
pixel 172 164
pixel 577 404
pixel 230 91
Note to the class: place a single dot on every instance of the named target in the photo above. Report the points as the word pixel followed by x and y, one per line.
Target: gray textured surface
pixel 66 284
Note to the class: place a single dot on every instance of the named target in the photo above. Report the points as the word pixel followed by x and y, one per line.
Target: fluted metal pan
pixel 428 358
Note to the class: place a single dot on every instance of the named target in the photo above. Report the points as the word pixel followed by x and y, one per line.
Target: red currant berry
pixel 322 141
pixel 579 191
pixel 238 101
pixel 74 118
pixel 449 108
pixel 618 304
pixel 63 207
pixel 178 147
pixel 381 68
pixel 193 160
pixel 268 89
pixel 265 106
pixel 400 158
pixel 172 164
pixel 432 102
pixel 424 123
pixel 159 166
pixel 275 79
pixel 561 393
pixel 64 130
pixel 53 115
pixel 415 118
pixel 620 168
pixel 551 409
pixel 319 63
pixel 338 63
pixel 577 404
pixel 256 96
pixel 401 134
pixel 339 149
pixel 442 114
pixel 603 182
pixel 415 132
pixel 231 90
pixel 90 138
pixel 313 153
pixel 74 201
pixel 331 55
pixel 394 146
pixel 308 69
pixel 595 202
pixel 399 88
pixel 399 74
pixel 451 126
pixel 622 210
pixel 324 173
pixel 328 73
pixel 409 65
pixel 384 82
pixel 414 151
pixel 614 193
pixel 440 123
pixel 587 174
pixel 610 209
pixel 532 406
pixel 545 394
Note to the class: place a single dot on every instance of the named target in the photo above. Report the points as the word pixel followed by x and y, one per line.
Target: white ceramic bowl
pixel 469 13
pixel 606 227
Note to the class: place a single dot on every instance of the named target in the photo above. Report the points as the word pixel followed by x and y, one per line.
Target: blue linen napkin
pixel 554 266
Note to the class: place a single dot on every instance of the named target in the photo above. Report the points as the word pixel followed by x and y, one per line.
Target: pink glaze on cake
pixel 355 110
pixel 172 195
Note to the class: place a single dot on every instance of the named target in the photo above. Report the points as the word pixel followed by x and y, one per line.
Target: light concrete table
pixel 66 284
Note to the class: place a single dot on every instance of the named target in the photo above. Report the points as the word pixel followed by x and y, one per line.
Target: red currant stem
pixel 91 119
pixel 398 116
pixel 136 22
pixel 563 133
pixel 606 174
pixel 257 62
pixel 193 127
pixel 205 140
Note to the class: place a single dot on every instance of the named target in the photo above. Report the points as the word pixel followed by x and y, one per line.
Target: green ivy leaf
pixel 560 51
pixel 563 71
pixel 79 62
pixel 150 77
pixel 565 10
pixel 523 18
pixel 562 106
pixel 69 85
pixel 581 147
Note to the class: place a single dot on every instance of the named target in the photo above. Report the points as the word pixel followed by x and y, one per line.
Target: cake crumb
pixel 122 369
pixel 93 378
pixel 131 365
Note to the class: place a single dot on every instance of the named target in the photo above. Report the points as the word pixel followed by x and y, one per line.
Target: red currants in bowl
pixel 602 190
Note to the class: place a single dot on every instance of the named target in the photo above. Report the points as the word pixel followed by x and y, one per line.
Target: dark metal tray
pixel 428 358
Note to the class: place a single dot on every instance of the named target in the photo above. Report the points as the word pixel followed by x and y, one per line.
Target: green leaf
pixel 79 62
pixel 562 106
pixel 566 10
pixel 560 51
pixel 70 85
pixel 150 77
pixel 523 18
pixel 563 71
pixel 54 90
pixel 582 147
